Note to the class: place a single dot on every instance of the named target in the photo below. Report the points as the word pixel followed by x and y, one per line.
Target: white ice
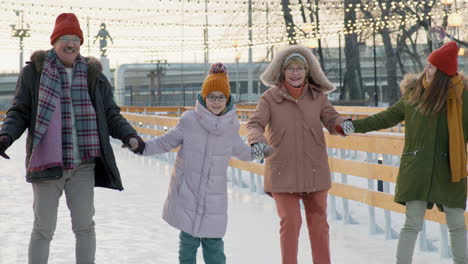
pixel 130 229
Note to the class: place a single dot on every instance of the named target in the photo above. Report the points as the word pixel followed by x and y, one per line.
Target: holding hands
pixel 346 128
pixel 134 143
pixel 261 151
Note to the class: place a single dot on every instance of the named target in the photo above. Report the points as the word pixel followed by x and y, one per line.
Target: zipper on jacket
pixel 411 153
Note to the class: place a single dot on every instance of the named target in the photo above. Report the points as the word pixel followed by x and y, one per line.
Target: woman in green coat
pixel 433 168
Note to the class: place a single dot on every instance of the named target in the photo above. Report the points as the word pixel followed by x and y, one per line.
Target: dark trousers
pixel 213 249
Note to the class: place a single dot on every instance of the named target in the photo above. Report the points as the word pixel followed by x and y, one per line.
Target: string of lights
pixel 154 31
pixel 215 7
pixel 323 25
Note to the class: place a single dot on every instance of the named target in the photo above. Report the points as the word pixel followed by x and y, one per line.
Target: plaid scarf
pixel 56 99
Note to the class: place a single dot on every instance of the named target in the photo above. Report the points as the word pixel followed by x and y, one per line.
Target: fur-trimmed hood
pixel 94 66
pixel 271 76
pixel 410 79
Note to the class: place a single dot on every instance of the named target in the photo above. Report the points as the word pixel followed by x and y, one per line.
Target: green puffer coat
pixel 424 172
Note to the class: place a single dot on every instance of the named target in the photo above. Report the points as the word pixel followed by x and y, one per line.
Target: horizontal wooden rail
pixel 151 120
pixel 243 106
pixel 375 142
pixel 363 169
pixel 363 109
pixel 152 109
pixel 245 111
pixel 381 200
pixel 385 143
pixel 2 116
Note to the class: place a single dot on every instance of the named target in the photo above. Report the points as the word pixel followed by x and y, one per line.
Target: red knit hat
pixel 445 58
pixel 66 24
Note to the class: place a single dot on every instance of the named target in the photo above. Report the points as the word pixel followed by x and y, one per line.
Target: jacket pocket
pixel 410 153
pixel 408 157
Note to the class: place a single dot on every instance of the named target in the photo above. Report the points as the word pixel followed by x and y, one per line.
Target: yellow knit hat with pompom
pixel 216 81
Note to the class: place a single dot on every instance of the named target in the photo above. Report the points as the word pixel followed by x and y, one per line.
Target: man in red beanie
pixel 66 103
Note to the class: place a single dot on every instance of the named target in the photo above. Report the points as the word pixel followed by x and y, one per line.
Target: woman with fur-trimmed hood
pixel 433 168
pixel 289 117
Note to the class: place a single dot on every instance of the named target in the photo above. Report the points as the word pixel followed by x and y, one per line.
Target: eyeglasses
pixel 213 98
pixel 65 39
pixel 298 70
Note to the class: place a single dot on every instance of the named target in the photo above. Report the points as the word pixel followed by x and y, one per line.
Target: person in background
pixel 433 168
pixel 197 199
pixel 289 117
pixel 66 103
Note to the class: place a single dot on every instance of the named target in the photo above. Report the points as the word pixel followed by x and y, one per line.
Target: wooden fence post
pixel 344 179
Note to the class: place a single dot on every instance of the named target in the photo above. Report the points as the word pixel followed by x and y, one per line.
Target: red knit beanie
pixel 445 58
pixel 66 24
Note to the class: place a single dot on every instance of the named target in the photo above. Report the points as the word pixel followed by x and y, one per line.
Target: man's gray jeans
pixel 415 211
pixel 78 185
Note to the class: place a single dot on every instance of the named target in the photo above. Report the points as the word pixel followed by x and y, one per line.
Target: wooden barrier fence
pixel 374 142
pixel 162 119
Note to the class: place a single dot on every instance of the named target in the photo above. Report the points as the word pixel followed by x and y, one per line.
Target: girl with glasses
pixel 197 200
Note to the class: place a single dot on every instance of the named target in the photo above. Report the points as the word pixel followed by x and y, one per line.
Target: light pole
pixel 235 44
pixel 18 31
pixel 159 72
pixel 237 57
pixel 316 35
pixel 376 92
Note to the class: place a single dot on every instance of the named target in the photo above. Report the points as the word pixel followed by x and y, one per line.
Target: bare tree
pixel 288 20
pixel 407 39
pixel 353 84
pixel 393 93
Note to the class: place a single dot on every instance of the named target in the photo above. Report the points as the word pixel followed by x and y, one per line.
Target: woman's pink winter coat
pixel 295 127
pixel 197 198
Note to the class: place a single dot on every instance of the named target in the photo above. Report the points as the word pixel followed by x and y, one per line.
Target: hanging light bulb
pixel 308 27
pixel 454 20
pixel 312 43
pixel 446 2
